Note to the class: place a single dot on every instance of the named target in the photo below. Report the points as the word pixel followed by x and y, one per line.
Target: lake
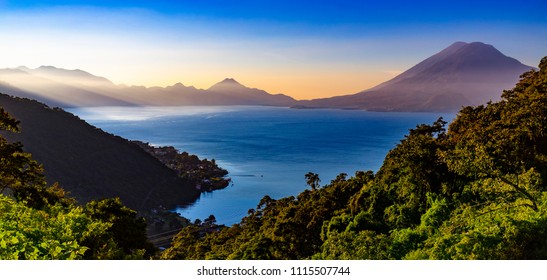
pixel 267 150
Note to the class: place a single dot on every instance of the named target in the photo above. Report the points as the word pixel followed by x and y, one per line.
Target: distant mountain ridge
pixel 235 92
pixel 76 88
pixel 460 75
pixel 60 75
pixel 59 87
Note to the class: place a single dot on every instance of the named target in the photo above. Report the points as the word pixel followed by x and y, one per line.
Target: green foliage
pixel 351 245
pixel 51 233
pixel 7 122
pixel 126 236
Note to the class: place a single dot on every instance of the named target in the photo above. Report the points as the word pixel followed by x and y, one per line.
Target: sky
pixel 305 49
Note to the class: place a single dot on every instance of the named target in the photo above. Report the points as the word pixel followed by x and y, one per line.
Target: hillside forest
pixel 473 189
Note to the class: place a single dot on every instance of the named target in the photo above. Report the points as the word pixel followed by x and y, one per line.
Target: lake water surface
pixel 267 150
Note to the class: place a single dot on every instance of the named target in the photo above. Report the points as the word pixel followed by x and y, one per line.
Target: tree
pixel 340 178
pixel 211 220
pixel 55 232
pixel 22 175
pixel 7 122
pixel 312 180
pixel 126 235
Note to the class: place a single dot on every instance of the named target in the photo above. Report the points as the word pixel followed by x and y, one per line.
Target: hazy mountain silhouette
pixel 92 164
pixel 230 91
pixel 76 88
pixel 59 87
pixel 63 75
pixel 462 74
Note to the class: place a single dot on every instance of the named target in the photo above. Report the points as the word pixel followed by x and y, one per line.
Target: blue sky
pixel 302 48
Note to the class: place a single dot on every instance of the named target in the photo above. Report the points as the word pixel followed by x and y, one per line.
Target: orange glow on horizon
pixel 301 87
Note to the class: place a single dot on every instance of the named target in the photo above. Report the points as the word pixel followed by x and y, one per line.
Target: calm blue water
pixel 267 150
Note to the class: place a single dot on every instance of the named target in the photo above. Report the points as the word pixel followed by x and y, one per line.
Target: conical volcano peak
pixel 480 47
pixel 456 45
pixel 229 81
pixel 227 84
pixel 460 75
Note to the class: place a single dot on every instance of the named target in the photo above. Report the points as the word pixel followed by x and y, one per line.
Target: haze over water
pixel 267 150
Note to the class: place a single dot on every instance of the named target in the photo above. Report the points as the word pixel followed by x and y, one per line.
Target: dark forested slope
pixel 92 164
